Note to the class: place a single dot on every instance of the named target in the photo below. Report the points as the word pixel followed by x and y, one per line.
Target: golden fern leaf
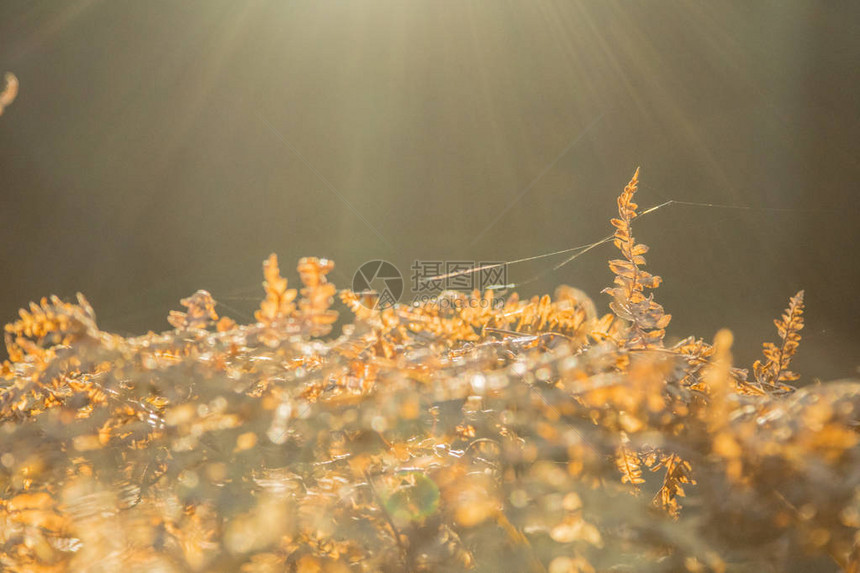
pixel 777 358
pixel 696 353
pixel 628 463
pixel 51 322
pixel 201 312
pixel 678 474
pixel 279 299
pixel 317 294
pixel 647 319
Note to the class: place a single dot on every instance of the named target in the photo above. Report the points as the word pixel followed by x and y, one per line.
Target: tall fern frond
pixel 647 319
pixel 774 369
pixel 279 299
pixel 317 294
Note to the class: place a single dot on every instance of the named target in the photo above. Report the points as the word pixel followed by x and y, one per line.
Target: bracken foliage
pixel 520 435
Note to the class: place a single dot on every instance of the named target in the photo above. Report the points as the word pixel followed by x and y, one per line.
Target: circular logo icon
pixel 378 283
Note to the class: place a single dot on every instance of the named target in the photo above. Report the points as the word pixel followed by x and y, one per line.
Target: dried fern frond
pixel 774 369
pixel 628 463
pixel 696 353
pixel 201 312
pixel 50 323
pixel 317 294
pixel 647 319
pixel 678 474
pixel 279 299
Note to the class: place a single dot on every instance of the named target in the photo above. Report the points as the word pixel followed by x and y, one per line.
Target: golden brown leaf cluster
pixel 440 437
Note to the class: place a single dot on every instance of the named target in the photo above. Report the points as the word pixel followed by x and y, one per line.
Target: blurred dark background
pixel 157 147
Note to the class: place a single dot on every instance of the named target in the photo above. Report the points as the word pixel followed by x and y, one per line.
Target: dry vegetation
pixel 538 436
